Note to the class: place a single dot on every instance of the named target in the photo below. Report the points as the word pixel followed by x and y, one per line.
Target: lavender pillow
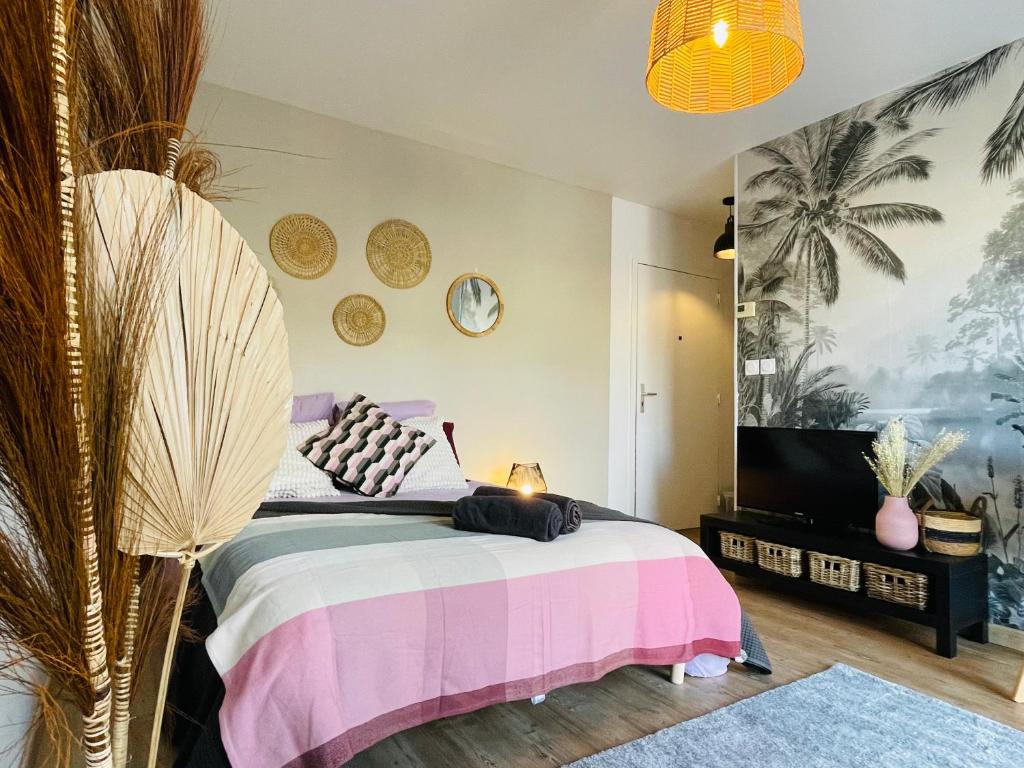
pixel 312 407
pixel 400 410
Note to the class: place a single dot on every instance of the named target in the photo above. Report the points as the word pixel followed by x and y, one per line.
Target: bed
pixel 341 621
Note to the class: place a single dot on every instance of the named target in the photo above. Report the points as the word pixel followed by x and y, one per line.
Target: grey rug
pixel 838 718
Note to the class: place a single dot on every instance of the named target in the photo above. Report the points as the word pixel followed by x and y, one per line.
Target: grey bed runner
pixel 410 507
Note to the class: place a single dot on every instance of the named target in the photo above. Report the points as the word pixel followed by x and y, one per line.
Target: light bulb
pixel 720 32
pixel 526 490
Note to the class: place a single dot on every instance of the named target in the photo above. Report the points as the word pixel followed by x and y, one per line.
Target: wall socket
pixel 767 366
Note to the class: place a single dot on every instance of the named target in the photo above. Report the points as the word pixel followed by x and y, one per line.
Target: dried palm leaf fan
pixel 216 393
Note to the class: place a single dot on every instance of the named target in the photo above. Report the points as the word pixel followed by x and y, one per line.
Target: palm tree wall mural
pixel 949 89
pixel 924 351
pixel 884 248
pixel 824 339
pixel 816 177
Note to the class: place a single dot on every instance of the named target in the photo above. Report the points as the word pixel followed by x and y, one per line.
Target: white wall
pixel 644 235
pixel 17 710
pixel 534 390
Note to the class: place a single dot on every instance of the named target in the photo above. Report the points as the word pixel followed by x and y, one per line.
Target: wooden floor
pixel 801 637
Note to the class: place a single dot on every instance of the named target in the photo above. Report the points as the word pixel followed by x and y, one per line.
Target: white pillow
pixel 437 468
pixel 297 477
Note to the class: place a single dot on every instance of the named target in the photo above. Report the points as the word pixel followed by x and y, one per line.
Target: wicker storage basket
pixel 951 533
pixel 735 546
pixel 778 558
pixel 896 586
pixel 833 571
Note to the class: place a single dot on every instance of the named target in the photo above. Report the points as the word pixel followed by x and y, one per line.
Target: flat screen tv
pixel 816 474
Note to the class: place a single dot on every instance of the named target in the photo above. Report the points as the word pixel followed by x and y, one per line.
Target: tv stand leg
pixel 977 632
pixel 945 641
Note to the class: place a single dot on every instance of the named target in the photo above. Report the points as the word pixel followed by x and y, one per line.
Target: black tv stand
pixel 800 523
pixel 958 586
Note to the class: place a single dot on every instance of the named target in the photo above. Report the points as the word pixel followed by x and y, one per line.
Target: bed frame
pixel 676 676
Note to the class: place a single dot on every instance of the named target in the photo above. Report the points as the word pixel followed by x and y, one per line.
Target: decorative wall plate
pixel 398 253
pixel 359 320
pixel 303 246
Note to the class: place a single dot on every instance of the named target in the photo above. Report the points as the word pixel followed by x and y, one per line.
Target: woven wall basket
pixel 359 320
pixel 398 253
pixel 303 246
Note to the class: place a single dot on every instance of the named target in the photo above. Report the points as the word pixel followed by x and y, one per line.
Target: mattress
pixel 336 630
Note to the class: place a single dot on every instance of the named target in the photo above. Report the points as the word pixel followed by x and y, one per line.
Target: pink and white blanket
pixel 337 630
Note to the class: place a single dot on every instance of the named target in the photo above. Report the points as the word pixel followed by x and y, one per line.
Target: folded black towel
pixel 572 517
pixel 508 515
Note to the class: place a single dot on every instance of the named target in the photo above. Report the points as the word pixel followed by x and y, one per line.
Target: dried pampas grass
pixel 107 87
pixel 136 68
pixel 899 464
pixel 50 591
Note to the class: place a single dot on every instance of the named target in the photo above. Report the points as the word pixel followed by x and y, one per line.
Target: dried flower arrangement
pixel 89 87
pixel 899 464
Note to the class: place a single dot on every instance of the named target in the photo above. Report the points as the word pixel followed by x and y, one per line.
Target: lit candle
pixel 527 479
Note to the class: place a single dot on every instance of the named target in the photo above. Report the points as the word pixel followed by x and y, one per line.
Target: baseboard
pixel 1006 636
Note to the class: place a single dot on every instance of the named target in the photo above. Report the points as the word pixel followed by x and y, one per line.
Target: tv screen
pixel 811 473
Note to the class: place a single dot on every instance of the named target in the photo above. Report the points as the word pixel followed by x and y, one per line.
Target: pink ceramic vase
pixel 896 524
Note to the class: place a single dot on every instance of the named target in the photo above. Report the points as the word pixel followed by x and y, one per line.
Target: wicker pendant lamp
pixel 712 56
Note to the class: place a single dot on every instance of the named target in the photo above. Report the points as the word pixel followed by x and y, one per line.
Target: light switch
pixel 752 368
pixel 746 309
pixel 767 366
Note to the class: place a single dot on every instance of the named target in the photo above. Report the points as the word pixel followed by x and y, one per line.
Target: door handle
pixel 644 394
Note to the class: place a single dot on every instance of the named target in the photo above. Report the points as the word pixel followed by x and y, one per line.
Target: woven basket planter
pixel 896 586
pixel 951 533
pixel 735 546
pixel 834 571
pixel 778 558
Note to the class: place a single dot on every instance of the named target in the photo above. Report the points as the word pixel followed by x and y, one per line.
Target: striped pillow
pixel 367 451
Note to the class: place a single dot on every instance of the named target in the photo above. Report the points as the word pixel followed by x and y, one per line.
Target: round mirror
pixel 475 306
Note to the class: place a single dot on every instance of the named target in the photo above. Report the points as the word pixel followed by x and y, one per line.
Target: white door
pixel 681 352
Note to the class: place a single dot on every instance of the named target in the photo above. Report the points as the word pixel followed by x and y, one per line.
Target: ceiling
pixel 556 87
